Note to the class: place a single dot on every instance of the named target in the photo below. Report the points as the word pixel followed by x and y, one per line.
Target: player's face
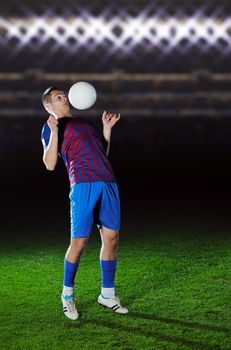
pixel 59 104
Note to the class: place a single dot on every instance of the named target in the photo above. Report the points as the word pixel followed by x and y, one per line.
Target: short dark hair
pixel 46 98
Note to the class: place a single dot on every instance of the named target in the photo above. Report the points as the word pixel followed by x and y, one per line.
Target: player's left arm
pixel 109 120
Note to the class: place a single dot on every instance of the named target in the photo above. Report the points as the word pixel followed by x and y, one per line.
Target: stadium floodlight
pixel 122 33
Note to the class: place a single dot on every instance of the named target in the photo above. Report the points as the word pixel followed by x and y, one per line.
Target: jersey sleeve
pixel 45 135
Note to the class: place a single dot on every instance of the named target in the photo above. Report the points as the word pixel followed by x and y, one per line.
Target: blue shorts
pixel 94 203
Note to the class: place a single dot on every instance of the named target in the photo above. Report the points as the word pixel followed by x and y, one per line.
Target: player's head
pixel 55 102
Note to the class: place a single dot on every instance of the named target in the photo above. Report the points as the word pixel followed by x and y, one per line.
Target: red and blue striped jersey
pixel 81 150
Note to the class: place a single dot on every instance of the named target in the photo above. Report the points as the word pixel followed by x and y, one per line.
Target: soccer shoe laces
pixel 116 299
pixel 70 303
pixel 117 306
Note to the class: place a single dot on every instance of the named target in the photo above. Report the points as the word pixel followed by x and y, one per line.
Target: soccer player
pixel 94 196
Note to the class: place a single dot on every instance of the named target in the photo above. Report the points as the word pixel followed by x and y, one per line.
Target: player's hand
pixel 52 123
pixel 109 119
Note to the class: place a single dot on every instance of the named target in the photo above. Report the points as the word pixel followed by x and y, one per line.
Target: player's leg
pixel 109 219
pixel 108 257
pixel 110 242
pixel 81 210
pixel 71 262
pixel 76 249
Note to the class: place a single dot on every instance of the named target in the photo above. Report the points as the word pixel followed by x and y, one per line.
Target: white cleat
pixel 69 308
pixel 113 304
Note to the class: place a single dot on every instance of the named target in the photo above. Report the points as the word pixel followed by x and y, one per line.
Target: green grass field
pixel 173 274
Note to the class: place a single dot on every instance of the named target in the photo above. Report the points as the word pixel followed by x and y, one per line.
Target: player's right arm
pixel 50 153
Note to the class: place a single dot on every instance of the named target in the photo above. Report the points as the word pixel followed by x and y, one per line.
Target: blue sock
pixel 108 269
pixel 69 273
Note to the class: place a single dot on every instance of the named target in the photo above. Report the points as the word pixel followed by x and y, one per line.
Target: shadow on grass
pixel 142 332
pixel 182 323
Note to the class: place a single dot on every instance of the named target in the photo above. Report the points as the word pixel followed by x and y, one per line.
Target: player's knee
pixel 111 241
pixel 78 244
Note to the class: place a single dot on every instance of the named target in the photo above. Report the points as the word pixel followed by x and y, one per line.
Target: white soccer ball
pixel 82 95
